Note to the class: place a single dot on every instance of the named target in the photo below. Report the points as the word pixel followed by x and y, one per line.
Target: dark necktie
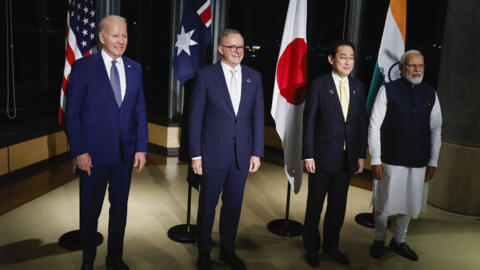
pixel 115 82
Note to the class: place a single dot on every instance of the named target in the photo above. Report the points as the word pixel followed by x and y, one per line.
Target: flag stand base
pixel 286 227
pixel 185 233
pixel 72 240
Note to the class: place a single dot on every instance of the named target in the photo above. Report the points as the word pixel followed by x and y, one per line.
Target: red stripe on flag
pixel 70 55
pixel 60 116
pixel 64 85
pixel 206 15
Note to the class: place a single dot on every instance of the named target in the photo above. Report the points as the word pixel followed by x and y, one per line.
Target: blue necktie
pixel 115 82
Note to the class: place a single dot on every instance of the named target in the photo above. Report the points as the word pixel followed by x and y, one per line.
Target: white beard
pixel 414 80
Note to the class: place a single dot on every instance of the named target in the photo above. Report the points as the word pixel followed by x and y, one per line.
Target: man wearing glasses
pixel 404 139
pixel 226 143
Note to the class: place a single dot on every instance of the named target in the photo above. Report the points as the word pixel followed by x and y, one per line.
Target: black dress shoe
pixel 116 265
pixel 403 250
pixel 312 258
pixel 204 263
pixel 337 256
pixel 232 260
pixel 377 249
pixel 87 267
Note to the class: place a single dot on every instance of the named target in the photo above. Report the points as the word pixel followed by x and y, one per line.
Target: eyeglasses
pixel 234 48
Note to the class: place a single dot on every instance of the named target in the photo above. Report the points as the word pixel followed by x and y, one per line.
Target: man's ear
pixel 330 59
pixel 101 37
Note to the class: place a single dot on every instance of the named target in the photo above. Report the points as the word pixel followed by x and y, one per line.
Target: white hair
pixel 110 17
pixel 404 57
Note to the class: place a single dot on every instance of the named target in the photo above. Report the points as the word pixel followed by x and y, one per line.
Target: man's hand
pixel 377 171
pixel 254 164
pixel 361 164
pixel 429 173
pixel 197 166
pixel 140 160
pixel 310 166
pixel 84 163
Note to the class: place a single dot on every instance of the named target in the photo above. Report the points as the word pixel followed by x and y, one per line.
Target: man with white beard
pixel 404 138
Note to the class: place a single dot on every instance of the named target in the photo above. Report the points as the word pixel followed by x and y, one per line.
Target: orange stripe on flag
pixel 399 13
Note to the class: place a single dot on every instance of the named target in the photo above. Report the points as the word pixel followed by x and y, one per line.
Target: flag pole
pixel 286 227
pixel 72 240
pixel 392 46
pixel 184 233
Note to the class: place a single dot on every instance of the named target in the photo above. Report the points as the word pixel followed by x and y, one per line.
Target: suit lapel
pixel 333 96
pixel 246 82
pixel 353 98
pixel 222 87
pixel 128 79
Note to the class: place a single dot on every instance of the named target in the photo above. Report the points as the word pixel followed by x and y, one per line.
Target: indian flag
pixel 391 49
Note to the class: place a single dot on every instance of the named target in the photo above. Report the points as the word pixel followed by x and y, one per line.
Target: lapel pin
pixel 355 91
pixel 248 80
pixel 129 66
pixel 331 91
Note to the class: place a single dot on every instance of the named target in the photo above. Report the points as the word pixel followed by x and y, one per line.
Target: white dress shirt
pixel 121 71
pixel 235 95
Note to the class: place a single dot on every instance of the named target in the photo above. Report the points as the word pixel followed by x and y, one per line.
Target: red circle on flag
pixel 292 72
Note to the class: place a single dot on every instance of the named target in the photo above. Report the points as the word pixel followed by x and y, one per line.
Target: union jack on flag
pixel 80 40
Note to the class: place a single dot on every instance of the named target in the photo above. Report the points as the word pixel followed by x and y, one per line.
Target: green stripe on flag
pixel 377 81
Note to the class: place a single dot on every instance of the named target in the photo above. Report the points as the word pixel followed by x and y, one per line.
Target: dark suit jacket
pixel 94 122
pixel 324 128
pixel 216 133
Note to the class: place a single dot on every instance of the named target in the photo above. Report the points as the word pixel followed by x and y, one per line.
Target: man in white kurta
pixel 400 175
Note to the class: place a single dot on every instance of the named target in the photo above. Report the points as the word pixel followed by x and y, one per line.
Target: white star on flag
pixel 84 32
pixel 184 41
pixel 84 43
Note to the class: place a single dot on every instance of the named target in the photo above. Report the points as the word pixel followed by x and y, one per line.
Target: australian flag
pixel 193 38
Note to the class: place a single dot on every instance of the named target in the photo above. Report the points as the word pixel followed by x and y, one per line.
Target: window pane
pixel 265 32
pixel 149 24
pixel 38 29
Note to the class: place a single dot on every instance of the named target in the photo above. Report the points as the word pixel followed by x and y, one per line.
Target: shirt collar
pixel 108 59
pixel 227 68
pixel 337 78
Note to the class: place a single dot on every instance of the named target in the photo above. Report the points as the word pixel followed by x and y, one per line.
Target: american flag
pixel 80 40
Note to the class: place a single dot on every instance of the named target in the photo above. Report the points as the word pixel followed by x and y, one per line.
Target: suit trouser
pixel 232 180
pixel 92 194
pixel 319 184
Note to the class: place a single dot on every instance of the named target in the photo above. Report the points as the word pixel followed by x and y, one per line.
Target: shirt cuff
pixel 195 158
pixel 375 161
pixel 307 159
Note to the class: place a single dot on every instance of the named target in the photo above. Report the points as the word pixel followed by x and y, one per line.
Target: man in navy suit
pixel 334 148
pixel 226 142
pixel 106 126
